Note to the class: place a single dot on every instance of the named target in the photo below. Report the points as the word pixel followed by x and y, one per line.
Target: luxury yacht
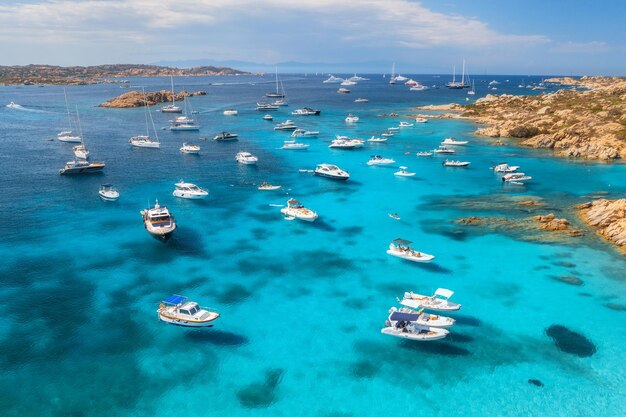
pixel 404 173
pixel 144 141
pixel 175 309
pixel 450 163
pixel 159 222
pixel 295 210
pixel 454 142
pixel 189 148
pixel 352 119
pixel 266 186
pixel 347 82
pixel 230 112
pixel 357 78
pixel 286 125
pixel 379 160
pixel 225 136
pixel 293 145
pixel 332 80
pixel 189 191
pixel 401 248
pixel 439 301
pixel 81 166
pixel 108 193
pixel 331 171
pixel 404 325
pixel 246 158
pixel 346 143
pixel 306 112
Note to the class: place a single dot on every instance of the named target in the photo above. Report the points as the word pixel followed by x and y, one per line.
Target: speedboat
pixel 301 132
pixel 387 134
pixel 505 168
pixel 266 186
pixel 81 166
pixel 374 139
pixel 404 325
pixel 401 248
pixel 175 309
pixel 293 145
pixel 352 119
pixel 332 79
pixel 516 177
pixel 443 149
pixel 404 173
pixel 68 136
pixel 231 112
pixel 108 193
pixel 411 82
pixel 81 151
pixel 13 105
pixel 280 102
pixel 426 319
pixel 361 100
pixel 189 148
pixel 346 143
pixel 176 126
pixel 439 301
pixel 306 112
pixel 394 216
pixel 379 160
pixel 286 125
pixel 348 82
pixel 266 107
pixel 268 117
pixel 331 171
pixel 189 191
pixel 424 154
pixel 295 209
pixel 225 136
pixel 406 124
pixel 448 163
pixel 143 141
pixel 159 222
pixel 246 158
pixel 418 87
pixel 393 129
pixel 171 108
pixel 343 90
pixel 421 120
pixel 358 78
pixel 454 142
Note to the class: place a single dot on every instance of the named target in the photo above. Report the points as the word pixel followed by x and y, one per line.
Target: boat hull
pixel 329 176
pixel 184 323
pixel 189 196
pixel 424 258
pixel 106 197
pixel 81 170
pixel 415 336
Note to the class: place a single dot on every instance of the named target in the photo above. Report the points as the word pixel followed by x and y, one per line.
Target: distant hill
pixel 50 74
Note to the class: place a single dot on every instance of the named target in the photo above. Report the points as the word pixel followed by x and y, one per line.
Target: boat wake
pixel 15 106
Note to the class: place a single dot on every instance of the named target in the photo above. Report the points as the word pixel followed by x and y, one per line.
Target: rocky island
pixel 137 99
pixel 608 217
pixel 51 74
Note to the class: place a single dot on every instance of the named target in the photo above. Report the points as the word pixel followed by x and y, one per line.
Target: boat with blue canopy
pixel 406 325
pixel 177 309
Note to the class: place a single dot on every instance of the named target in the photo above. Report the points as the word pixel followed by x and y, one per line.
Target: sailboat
pixel 184 123
pixel 392 77
pixel 277 94
pixel 144 141
pixel 172 108
pixel 81 165
pixel 473 90
pixel 68 135
pixel 454 84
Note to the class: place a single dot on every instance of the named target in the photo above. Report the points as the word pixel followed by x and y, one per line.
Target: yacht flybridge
pixel 401 248
pixel 159 222
pixel 177 310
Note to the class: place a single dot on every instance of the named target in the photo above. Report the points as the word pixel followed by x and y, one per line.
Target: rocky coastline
pixel 608 218
pixel 137 99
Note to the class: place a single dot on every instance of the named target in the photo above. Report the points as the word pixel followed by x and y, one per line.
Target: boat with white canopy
pixel 505 168
pixel 108 193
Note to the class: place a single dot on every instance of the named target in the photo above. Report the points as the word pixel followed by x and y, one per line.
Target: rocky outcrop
pixel 551 223
pixel 136 98
pixel 608 217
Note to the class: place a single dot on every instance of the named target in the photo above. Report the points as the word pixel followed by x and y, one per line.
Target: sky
pixel 429 36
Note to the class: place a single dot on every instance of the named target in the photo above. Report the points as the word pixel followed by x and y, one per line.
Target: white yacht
pixel 393 129
pixel 246 158
pixel 387 134
pixel 293 145
pixel 346 143
pixel 452 163
pixel 81 166
pixel 418 87
pixel 184 127
pixel 277 93
pixel 361 100
pixel 421 120
pixel 189 148
pixel 145 141
pixel 177 310
pixel 404 173
pixel 268 117
pixel 266 107
pixel 230 112
pixel 280 102
pixel 505 168
pixel 331 171
pixel 401 248
pixel 225 136
pixel 172 108
pixel 296 210
pixel 439 301
pixel 406 326
pixel 332 80
pixel 352 119
pixel 443 149
pixel 454 142
pixel 343 90
pixel 66 135
pixel 358 78
pixel 189 191
pixel 374 139
pixel 406 124
pixel 286 125
pixel 379 160
pixel 305 133
pixel 424 154
pixel 108 193
pixel 306 111
pixel 159 222
pixel 400 78
pixel 266 186
pixel 81 151
pixel 347 82
pixel 516 178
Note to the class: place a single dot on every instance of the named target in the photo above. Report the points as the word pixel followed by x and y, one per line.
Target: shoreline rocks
pixel 608 218
pixel 136 99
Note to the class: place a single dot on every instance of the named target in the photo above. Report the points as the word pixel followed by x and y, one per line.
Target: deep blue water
pixel 302 304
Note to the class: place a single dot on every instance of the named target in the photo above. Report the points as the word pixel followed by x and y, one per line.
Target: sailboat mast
pixel 145 101
pixel 80 128
pixel 172 80
pixel 67 106
pixel 277 80
pixel 453 74
pixel 463 74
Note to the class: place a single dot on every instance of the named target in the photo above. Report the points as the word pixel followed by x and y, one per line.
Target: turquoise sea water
pixel 302 304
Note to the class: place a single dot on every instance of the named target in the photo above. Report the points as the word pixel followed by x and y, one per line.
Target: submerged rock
pixel 261 394
pixel 535 382
pixel 571 342
pixel 568 279
pixel 616 307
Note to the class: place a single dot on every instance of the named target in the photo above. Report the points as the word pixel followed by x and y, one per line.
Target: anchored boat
pixel 176 309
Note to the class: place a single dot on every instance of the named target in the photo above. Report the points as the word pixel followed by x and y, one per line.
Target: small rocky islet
pixel 133 99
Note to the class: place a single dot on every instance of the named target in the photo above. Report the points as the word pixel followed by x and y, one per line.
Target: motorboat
pixel 177 310
pixel 439 301
pixel 268 117
pixel 225 136
pixel 305 133
pixel 332 80
pixel 393 129
pixel 81 151
pixel 418 87
pixel 246 158
pixel 394 216
pixel 295 209
pixel 159 222
pixel 280 103
pixel 293 145
pixel 172 108
pixel 331 171
pixel 189 148
pixel 454 142
pixel 426 319
pixel 401 248
pixel 406 124
pixel 13 105
pixel 421 120
pixel 424 154
pixel 189 191
pixel 230 112
pixel 358 78
pixel 411 82
pixel 343 90
pixel 379 160
pixel 505 168
pixel 361 100
pixel 81 166
pixel 306 112
pixel 374 139
pixel 266 186
pixel 387 134
pixel 400 78
pixel 347 82
pixel 266 107
pixel 451 163
pixel 516 177
pixel 404 325
pixel 404 173
pixel 443 149
pixel 286 125
pixel 108 193
pixel 144 141
pixel 346 143
pixel 352 119
pixel 68 136
pixel 184 127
